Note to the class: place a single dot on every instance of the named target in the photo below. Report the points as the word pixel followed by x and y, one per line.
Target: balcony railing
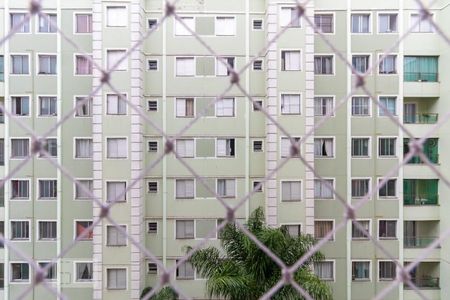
pixel 434 158
pixel 418 241
pixel 420 199
pixel 421 76
pixel 423 118
pixel 425 282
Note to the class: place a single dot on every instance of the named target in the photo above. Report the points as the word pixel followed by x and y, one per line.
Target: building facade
pixel 170 81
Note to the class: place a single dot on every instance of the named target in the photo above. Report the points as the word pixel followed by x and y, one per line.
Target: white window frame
pixel 38 106
pixel 85 239
pixel 369 106
pixel 148 64
pixel 37 63
pixel 235 195
pixel 369 231
pixel 193 147
pixel 370 22
pixel 38 20
pixel 333 261
pixel 194 194
pixel 78 281
pixel 29 189
pixel 333 184
pixel 21 281
pixel 262 65
pixel 116 6
pixel 157 226
pixel 184 99
pixel 283 68
pixel 397 233
pixel 185 74
pixel 333 238
pixel 217 147
pixel 333 138
pixel 10 73
pixel 378 270
pixel 117 138
pixel 281 190
pixel 395 197
pixel 262 145
pixel 89 103
pixel 75 56
pixel 379 23
pixel 333 73
pixel 332 13
pixel 300 104
pixel 411 23
pixel 396 147
pixel 369 66
pixel 126 195
pixel 118 233
pixel 22 12
pixel 370 187
pixel 74 31
pixel 55 265
pixel 157 24
pixel 19 157
pixel 231 33
pixel 148 186
pixel 38 189
pixel 283 24
pixel 252 187
pixel 119 99
pixel 262 24
pixel 333 97
pixel 123 66
pixel 30 105
pixel 396 105
pixel 157 105
pixel 290 145
pixel 38 239
pixel 75 189
pixel 157 146
pixel 75 145
pixel 126 278
pixel 223 115
pixel 396 65
pixel 180 30
pixel 19 240
pixel 370 270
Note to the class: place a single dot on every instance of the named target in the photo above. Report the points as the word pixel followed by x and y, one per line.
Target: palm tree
pixel 165 293
pixel 242 271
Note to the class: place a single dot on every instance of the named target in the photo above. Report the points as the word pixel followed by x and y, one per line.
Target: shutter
pixel 181 107
pixel 221 147
pixel 230 187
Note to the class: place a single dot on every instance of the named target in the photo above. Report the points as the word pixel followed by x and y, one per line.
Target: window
pixel 323 64
pixel 114 237
pixel 225 107
pixel 116 16
pixel 323 106
pixel 47 24
pixel 180 28
pixel 20 230
pixel 16 19
pixel 47 106
pixel 421 68
pixel 324 270
pixel 152 23
pixel 185 147
pixel 389 189
pixel 20 106
pixel 116 191
pixel 359 234
pixel 152 65
pixel 290 104
pixel 152 268
pixel 324 23
pixel 116 147
pixel 51 272
pixel 225 147
pixel 20 148
pixel 83 23
pixel 116 58
pixel 257 146
pixel 291 191
pixel 360 187
pixel 225 26
pixel 20 272
pixel 83 65
pixel 360 270
pixel 387 23
pixel 152 105
pixel 84 189
pixel 221 68
pixel 323 147
pixel 226 188
pixel 152 146
pixel 184 229
pixel 289 16
pixel 360 23
pixel 390 103
pixel 290 60
pixel 185 66
pixel 322 228
pixel 80 230
pixel 20 189
pixel 83 107
pixel 83 271
pixel 51 147
pixel 287 147
pixel 257 65
pixel 83 148
pixel 388 65
pixel 184 188
pixel 116 105
pixel 185 271
pixel 47 189
pixel 47 64
pixel 423 25
pixel 2 68
pixel 387 270
pixel 152 186
pixel 387 229
pixel 2 275
pixel 257 105
pixel 360 106
pixel 116 279
pixel 323 189
pixel 47 230
pixel 361 63
pixel 184 107
pixel 257 186
pixel 293 230
pixel 20 64
pixel 386 146
pixel 258 24
pixel 152 227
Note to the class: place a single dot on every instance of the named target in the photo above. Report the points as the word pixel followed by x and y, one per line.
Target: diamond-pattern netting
pixel 349 211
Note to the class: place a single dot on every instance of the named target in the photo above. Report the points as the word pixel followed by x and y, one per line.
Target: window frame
pixel 37 63
pixel 10 73
pixel 29 189
pixel 234 115
pixel 148 105
pixel 18 281
pixel 109 268
pixel 38 231
pixel 148 228
pixel 379 156
pixel 262 146
pixel 225 17
pixel 370 103
pixel 75 138
pixel 288 25
pixel 333 196
pixel 364 238
pixel 369 64
pixel 124 66
pixel 55 265
pixel 283 64
pixel 126 195
pixel 370 29
pixel 293 180
pixel 76 280
pixel 175 22
pixel 217 146
pixel 152 60
pixel 380 13
pixel 194 192
pixel 388 238
pixel 30 231
pixel 300 104
pixel 333 139
pixel 75 198
pixel 30 105
pixel 396 114
pixel 89 103
pixel 395 197
pixel 38 189
pixel 333 100
pixel 75 60
pixel 175 67
pixel 369 147
pixel 253 24
pixel 74 24
pixel 119 100
pixel 85 239
pixel 116 5
pixel 411 23
pixel 396 65
pixel 49 26
pixel 262 65
pixel 185 100
pixel 369 279
pixel 107 244
pixel 235 195
pixel 330 13
pixel 333 261
pixel 38 106
pixel 127 146
pixel 11 157
pixel 148 146
pixel 379 269
pixel 333 221
pixel 333 63
pixel 282 138
pixel 20 12
pixel 369 187
pixel 255 183
pixel 152 182
pixel 157 24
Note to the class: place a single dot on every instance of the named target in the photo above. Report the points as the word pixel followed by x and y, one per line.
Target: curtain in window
pixel 225 26
pixel 114 56
pixel 114 190
pixel 83 66
pixel 421 68
pixel 361 270
pixel 84 271
pixel 324 269
pixel 225 107
pixel 388 65
pixel 185 66
pixel 84 23
pixel 292 60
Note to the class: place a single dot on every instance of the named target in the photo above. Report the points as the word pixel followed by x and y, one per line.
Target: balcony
pixel 420 192
pixel 425 276
pixel 422 118
pixel 420 234
pixel 430 149
pixel 420 76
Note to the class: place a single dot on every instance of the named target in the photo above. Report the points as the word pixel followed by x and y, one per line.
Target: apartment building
pixel 172 79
